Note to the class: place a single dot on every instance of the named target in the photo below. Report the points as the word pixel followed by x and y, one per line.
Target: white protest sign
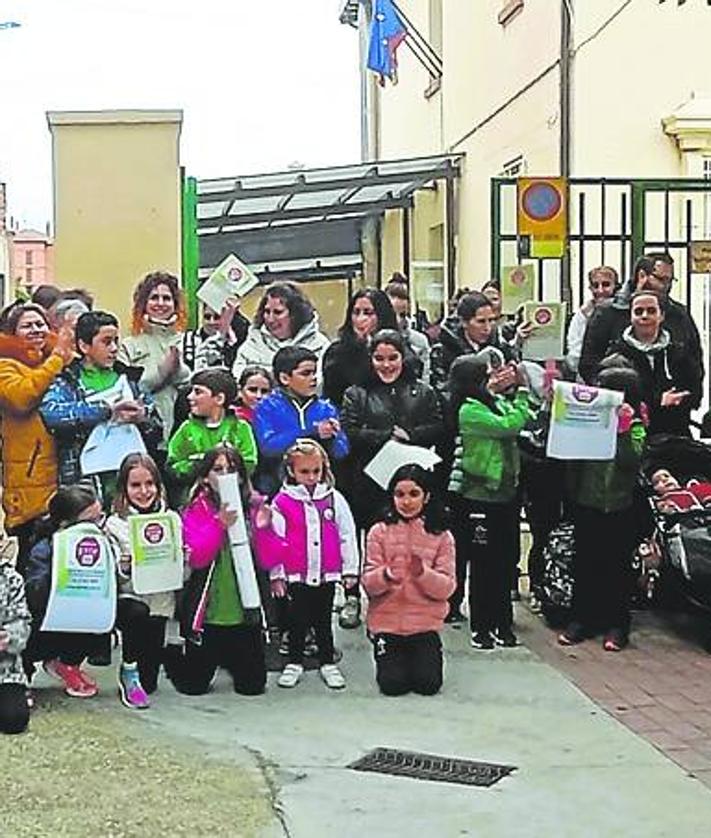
pixel 82 596
pixel 231 278
pixel 156 552
pixel 583 422
pixel 228 487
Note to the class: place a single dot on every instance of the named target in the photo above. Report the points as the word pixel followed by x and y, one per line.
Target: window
pixel 435 25
pixel 28 257
pixel 28 276
pixel 706 171
pixel 509 10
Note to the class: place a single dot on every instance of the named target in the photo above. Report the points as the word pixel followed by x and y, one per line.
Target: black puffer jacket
pixel 346 362
pixel 369 415
pixel 451 344
pixel 610 319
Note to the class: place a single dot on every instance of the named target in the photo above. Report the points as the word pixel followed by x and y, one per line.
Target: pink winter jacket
pixel 416 603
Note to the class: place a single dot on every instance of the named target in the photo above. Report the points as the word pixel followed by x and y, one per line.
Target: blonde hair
pixel 308 447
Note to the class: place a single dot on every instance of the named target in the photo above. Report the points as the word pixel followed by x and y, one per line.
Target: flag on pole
pixel 387 32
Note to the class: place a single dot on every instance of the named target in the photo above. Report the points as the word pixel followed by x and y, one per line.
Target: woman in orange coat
pixel 30 359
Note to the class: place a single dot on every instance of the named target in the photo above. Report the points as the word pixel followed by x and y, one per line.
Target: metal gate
pixel 612 221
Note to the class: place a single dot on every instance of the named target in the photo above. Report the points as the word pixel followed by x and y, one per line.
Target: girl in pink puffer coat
pixel 408 577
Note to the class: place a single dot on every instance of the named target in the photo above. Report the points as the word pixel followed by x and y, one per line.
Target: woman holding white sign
pixel 142 617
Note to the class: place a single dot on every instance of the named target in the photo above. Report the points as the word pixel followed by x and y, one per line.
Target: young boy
pixel 209 424
pixel 291 411
pixel 95 388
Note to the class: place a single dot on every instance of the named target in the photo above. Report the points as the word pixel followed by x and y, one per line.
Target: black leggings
pixel 238 649
pixel 14 710
pixel 311 606
pixel 143 640
pixel 71 648
pixel 408 663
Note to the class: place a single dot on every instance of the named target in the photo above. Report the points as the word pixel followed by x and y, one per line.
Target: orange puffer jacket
pixel 399 602
pixel 29 460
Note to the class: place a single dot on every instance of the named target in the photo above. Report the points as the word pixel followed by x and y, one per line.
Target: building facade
pixel 603 89
pixel 32 259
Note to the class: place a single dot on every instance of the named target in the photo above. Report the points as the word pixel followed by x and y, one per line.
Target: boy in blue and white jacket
pixel 290 412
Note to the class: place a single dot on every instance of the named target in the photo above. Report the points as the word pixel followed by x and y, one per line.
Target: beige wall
pixel 627 77
pixel 116 200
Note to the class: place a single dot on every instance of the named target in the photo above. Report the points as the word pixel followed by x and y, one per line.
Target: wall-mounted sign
pixel 542 217
pixel 700 256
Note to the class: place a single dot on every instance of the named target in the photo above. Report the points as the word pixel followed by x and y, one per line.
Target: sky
pixel 263 84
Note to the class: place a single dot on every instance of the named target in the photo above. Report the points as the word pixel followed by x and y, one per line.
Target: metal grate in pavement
pixel 431 767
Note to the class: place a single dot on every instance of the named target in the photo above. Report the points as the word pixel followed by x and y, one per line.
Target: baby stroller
pixel 683 537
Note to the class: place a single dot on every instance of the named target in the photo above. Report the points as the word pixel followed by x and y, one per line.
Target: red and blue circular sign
pixel 541 201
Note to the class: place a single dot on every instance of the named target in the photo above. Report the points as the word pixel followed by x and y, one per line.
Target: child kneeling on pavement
pixel 408 577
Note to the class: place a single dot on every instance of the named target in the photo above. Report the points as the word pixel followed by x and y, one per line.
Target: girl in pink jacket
pixel 318 549
pixel 408 577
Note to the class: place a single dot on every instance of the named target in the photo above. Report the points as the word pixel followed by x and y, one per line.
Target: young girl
pixel 253 385
pixel 62 652
pixel 14 630
pixel 318 549
pixel 218 632
pixel 605 534
pixel 408 577
pixel 485 478
pixel 141 618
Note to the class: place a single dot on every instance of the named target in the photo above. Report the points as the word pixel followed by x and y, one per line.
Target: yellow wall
pixel 116 200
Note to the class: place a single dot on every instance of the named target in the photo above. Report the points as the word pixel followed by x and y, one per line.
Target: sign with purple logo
pixel 156 552
pixel 583 422
pixel 82 596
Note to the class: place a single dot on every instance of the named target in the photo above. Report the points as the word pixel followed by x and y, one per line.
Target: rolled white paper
pixel 228 487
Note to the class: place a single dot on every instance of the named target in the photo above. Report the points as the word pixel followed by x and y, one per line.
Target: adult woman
pixel 347 359
pixel 30 360
pixel 670 385
pixel 285 317
pixel 472 329
pixel 392 404
pixel 154 345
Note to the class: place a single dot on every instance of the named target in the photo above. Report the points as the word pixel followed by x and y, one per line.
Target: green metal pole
pixel 190 248
pixel 638 219
pixel 495 259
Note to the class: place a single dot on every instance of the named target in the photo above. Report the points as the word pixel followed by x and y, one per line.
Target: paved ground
pixel 659 687
pixel 579 771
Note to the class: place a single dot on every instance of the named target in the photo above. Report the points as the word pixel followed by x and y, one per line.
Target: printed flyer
pixel 583 422
pixel 157 552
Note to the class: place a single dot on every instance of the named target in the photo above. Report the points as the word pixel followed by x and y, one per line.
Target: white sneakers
pixel 291 675
pixel 330 674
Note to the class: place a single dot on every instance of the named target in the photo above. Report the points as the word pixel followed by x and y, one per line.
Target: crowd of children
pixel 289 526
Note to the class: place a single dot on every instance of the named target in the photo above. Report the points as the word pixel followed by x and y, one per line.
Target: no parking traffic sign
pixel 542 217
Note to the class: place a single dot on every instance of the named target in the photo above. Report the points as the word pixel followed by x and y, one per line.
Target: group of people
pixel 297 418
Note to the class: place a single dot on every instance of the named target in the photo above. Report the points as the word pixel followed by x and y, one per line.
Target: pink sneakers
pixel 131 691
pixel 76 683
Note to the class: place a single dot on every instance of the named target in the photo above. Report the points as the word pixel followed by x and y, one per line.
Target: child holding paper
pixel 218 630
pixel 603 495
pixel 318 547
pixel 408 576
pixel 62 652
pixel 211 394
pixel 141 618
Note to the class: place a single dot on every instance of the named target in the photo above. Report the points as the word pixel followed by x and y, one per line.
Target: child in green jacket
pixel 603 494
pixel 212 392
pixel 486 480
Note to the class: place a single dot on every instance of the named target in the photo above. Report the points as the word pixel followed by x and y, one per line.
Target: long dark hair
pixel 394 338
pixel 468 379
pixel 300 309
pixel 384 311
pixel 433 514
pixel 204 467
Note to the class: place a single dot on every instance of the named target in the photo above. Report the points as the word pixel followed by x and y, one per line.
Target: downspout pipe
pixel 565 107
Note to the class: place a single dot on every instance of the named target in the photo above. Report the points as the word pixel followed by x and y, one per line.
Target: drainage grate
pixel 430 767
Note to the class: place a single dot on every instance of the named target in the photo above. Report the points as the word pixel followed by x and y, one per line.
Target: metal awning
pixel 307 221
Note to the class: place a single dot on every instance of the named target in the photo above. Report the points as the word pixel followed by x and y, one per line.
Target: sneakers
pixel 332 676
pixel 284 644
pixel 574 634
pixel 505 638
pixel 291 675
pixel 454 617
pixel 131 692
pixel 349 617
pixel 482 640
pixel 615 641
pixel 76 683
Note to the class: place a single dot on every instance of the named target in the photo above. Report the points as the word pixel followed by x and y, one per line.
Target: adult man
pixel 652 272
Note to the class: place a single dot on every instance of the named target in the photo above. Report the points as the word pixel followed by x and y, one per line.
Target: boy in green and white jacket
pixel 209 425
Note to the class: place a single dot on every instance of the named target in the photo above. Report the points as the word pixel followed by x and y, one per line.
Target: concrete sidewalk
pixel 580 772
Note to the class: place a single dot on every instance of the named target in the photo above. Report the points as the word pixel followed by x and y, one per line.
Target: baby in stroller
pixel 671 496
